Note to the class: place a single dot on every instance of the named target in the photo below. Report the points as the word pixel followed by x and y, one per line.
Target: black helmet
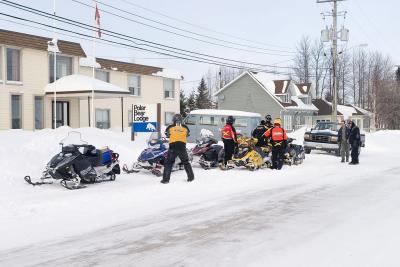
pixel 177 119
pixel 268 117
pixel 229 120
pixel 262 122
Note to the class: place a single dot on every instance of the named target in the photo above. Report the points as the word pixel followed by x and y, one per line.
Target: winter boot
pixel 347 159
pixel 342 160
pixel 166 175
pixel 189 172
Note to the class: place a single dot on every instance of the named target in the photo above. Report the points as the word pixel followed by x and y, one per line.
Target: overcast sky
pixel 269 24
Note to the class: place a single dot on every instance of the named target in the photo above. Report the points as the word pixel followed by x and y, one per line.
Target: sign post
pixel 146 118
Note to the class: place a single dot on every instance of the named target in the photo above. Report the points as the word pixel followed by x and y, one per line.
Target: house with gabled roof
pixel 361 117
pixel 258 92
pixel 28 86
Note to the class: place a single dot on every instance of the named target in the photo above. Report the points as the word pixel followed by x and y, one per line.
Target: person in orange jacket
pixel 228 135
pixel 278 139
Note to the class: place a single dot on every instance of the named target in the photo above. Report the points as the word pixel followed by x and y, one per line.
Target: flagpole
pixel 55 67
pixel 93 67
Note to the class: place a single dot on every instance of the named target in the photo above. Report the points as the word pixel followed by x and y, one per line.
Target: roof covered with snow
pixel 347 111
pixel 275 88
pixel 169 73
pixel 301 105
pixel 78 83
pixel 89 62
pixel 224 112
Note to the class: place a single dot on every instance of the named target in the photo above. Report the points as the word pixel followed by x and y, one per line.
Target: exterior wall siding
pixel 246 95
pixel 152 91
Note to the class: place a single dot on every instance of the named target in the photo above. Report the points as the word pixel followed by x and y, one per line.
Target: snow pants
pixel 183 156
pixel 229 149
pixel 354 153
pixel 277 157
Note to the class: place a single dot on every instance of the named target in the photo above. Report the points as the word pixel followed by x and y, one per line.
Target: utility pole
pixel 334 58
pixel 332 35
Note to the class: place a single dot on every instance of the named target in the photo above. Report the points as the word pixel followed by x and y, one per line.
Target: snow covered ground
pixel 322 213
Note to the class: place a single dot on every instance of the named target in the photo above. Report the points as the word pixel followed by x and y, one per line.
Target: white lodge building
pixel 27 86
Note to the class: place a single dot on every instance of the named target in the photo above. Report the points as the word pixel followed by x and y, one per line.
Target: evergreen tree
pixel 203 100
pixel 398 74
pixel 191 101
pixel 183 103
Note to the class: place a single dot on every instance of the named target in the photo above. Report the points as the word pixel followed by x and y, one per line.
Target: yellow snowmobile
pixel 246 155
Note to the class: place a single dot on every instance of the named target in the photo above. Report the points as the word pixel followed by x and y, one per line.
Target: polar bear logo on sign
pixel 150 127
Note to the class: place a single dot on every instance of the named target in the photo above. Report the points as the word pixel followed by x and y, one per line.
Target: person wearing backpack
pixel 258 133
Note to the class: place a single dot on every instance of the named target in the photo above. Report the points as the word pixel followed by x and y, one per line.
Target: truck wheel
pixel 307 150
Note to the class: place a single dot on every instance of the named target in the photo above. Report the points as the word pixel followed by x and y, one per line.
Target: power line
pixel 201 27
pixel 145 49
pixel 187 31
pixel 179 34
pixel 128 38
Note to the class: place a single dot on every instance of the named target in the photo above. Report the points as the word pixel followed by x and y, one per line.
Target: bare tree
pixel 318 64
pixel 302 60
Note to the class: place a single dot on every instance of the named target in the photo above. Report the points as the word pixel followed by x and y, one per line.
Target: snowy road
pixel 321 213
pixel 268 226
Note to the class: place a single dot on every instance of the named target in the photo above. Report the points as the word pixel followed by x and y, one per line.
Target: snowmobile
pixel 153 158
pixel 294 154
pixel 79 163
pixel 209 152
pixel 246 155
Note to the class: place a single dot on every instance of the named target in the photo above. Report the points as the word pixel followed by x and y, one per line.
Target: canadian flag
pixel 97 19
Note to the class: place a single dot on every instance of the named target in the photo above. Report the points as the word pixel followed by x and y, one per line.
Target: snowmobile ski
pixel 128 171
pixel 29 181
pixel 65 184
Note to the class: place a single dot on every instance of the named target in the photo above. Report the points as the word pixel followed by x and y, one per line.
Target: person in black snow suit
pixel 268 122
pixel 258 133
pixel 177 134
pixel 355 142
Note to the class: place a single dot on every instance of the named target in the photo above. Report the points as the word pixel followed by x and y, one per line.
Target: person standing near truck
pixel 228 136
pixel 343 141
pixel 355 142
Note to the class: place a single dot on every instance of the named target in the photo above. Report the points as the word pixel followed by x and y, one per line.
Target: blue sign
pixel 144 127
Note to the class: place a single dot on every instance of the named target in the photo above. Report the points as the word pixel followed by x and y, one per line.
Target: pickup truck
pixel 324 137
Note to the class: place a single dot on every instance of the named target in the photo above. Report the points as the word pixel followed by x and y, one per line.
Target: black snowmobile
pixel 294 154
pixel 79 163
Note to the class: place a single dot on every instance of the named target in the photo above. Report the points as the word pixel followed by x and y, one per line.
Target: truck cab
pixel 324 136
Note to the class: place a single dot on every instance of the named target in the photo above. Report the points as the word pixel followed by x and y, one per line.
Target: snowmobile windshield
pixel 73 138
pixel 204 133
pixel 155 141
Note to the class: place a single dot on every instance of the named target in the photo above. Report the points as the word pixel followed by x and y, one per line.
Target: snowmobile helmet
pixel 262 122
pixel 268 118
pixel 278 121
pixel 229 120
pixel 177 119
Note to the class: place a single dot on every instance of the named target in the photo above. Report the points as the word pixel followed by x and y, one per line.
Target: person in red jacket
pixel 278 139
pixel 228 135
